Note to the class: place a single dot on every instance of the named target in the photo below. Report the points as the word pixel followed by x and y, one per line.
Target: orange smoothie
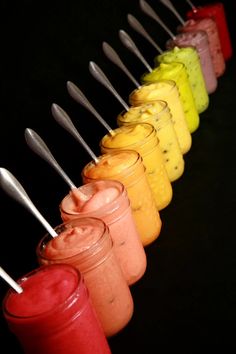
pixel 128 168
pixel 158 114
pixel 142 138
pixel 176 72
pixel 108 200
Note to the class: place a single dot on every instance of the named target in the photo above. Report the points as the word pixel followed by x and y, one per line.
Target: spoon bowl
pixel 15 190
pixel 99 75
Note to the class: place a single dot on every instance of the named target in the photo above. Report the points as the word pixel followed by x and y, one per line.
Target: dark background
pixel 186 300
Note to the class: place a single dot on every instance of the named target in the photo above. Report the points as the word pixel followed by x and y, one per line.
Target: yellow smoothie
pixel 127 167
pixel 166 90
pixel 143 139
pixel 158 114
pixel 190 58
pixel 176 72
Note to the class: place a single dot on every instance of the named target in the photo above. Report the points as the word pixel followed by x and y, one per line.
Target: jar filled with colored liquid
pixel 128 168
pixel 143 139
pixel 53 314
pixel 215 11
pixel 108 200
pixel 209 26
pixel 190 59
pixel 86 244
pixel 198 40
pixel 178 96
pixel 158 114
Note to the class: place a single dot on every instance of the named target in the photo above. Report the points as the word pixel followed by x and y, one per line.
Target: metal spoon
pixel 15 190
pixel 148 10
pixel 38 146
pixel 98 74
pixel 114 57
pixel 129 44
pixel 36 143
pixel 79 97
pixel 136 25
pixel 64 120
pixel 170 6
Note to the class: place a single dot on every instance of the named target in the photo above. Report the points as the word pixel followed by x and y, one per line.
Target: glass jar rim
pixel 21 280
pixel 108 207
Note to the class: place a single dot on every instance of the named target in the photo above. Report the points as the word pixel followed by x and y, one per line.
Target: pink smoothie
pixel 53 314
pixel 86 244
pixel 108 200
pixel 199 40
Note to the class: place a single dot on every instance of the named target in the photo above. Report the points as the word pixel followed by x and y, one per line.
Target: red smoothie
pixel 53 314
pixel 215 11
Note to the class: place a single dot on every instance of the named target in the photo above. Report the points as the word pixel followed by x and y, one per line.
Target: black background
pixel 186 300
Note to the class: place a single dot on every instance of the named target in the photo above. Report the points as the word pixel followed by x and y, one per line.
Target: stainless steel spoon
pixel 136 25
pixel 148 10
pixel 15 190
pixel 114 58
pixel 129 44
pixel 38 146
pixel 99 75
pixel 170 6
pixel 79 97
pixel 64 120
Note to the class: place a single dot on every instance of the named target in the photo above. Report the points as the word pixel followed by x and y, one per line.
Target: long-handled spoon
pixel 4 275
pixel 37 145
pixel 130 45
pixel 15 190
pixel 99 75
pixel 136 25
pixel 170 6
pixel 148 10
pixel 112 53
pixel 64 120
pixel 114 58
pixel 79 97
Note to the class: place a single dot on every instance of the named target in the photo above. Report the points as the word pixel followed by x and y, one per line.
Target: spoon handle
pixel 148 10
pixel 36 144
pixel 170 6
pixel 129 44
pixel 64 120
pixel 98 74
pixel 136 25
pixel 15 190
pixel 79 97
pixel 114 58
pixel 4 275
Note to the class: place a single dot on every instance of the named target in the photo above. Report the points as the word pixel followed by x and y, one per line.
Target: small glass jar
pixel 53 314
pixel 178 95
pixel 190 59
pixel 143 139
pixel 215 11
pixel 108 200
pixel 128 168
pixel 209 26
pixel 198 40
pixel 86 244
pixel 158 114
